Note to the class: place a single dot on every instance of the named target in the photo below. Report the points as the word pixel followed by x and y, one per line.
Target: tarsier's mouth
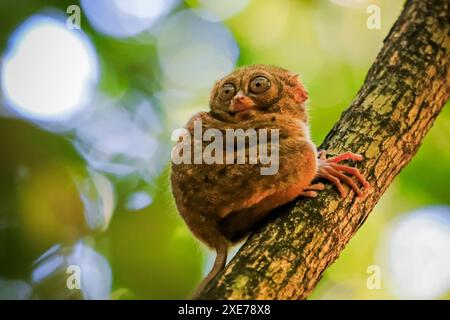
pixel 241 104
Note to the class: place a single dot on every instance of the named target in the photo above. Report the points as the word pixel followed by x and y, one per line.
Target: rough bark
pixel 403 93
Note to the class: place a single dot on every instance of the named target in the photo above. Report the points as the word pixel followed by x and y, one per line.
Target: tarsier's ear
pixel 300 93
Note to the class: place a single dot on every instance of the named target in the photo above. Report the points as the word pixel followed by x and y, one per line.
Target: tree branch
pixel 403 93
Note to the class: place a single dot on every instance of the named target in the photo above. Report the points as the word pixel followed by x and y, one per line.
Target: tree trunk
pixel 403 93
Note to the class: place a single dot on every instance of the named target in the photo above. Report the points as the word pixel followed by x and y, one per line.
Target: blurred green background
pixel 85 121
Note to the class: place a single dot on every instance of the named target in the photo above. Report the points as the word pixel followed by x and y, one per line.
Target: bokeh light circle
pixel 194 52
pixel 48 71
pixel 125 18
pixel 138 201
pixel 122 141
pixel 416 251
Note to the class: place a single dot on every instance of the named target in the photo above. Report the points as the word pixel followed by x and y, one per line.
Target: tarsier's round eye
pixel 227 91
pixel 259 84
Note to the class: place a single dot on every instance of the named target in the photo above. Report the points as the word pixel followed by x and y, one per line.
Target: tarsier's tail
pixel 219 264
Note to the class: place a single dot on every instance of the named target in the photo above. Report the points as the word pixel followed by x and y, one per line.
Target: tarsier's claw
pixel 331 170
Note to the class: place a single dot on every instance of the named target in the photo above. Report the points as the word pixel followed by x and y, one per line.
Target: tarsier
pixel 222 202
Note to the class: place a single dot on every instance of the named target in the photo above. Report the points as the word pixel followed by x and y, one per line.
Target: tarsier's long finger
pixel 354 172
pixel 316 186
pixel 309 194
pixel 335 181
pixel 348 181
pixel 346 156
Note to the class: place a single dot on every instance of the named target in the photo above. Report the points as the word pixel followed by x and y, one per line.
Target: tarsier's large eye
pixel 227 91
pixel 259 84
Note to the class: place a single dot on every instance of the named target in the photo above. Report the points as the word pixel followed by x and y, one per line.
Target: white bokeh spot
pixel 416 251
pixel 48 72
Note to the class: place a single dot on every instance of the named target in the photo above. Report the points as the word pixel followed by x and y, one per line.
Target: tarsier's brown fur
pixel 222 202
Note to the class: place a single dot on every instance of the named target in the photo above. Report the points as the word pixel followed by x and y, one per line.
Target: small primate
pixel 222 202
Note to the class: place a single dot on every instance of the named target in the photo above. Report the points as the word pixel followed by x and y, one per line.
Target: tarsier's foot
pixel 331 170
pixel 310 191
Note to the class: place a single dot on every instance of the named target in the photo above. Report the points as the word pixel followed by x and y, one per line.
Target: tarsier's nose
pixel 241 102
pixel 240 96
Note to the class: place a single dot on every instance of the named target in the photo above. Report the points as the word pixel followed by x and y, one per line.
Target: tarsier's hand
pixel 331 170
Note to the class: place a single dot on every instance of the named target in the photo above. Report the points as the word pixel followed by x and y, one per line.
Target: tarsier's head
pixel 251 91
